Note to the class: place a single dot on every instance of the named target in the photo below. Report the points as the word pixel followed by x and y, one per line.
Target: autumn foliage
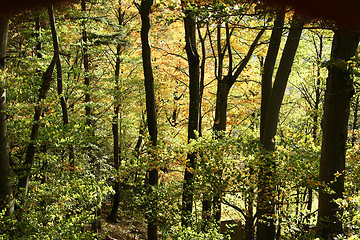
pixel 12 7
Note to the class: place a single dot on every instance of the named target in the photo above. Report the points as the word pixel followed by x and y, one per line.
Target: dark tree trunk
pixel 38 36
pixel 339 90
pixel 144 9
pixel 96 224
pixel 315 110
pixel 86 62
pixel 115 130
pixel 59 73
pixel 45 86
pixel 6 198
pixel 266 189
pixel 194 114
pixel 355 124
pixel 318 90
pixel 224 84
pixel 38 48
pixel 269 66
pixel 31 148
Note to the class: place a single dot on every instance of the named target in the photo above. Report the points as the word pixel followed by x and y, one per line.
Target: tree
pixel 224 85
pixel 6 198
pixel 59 78
pixel 144 8
pixel 123 19
pixel 86 62
pixel 31 148
pixel 194 113
pixel 272 96
pixel 339 91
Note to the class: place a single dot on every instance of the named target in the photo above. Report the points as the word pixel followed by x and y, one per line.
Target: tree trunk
pixel 63 103
pixel 194 114
pixel 96 224
pixel 268 68
pixel 144 9
pixel 224 85
pixel 31 149
pixel 85 50
pixel 115 130
pixel 6 198
pixel 339 90
pixel 266 189
pixel 355 120
pixel 45 86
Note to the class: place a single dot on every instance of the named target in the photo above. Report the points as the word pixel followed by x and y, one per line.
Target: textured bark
pixel 6 198
pixel 144 9
pixel 266 188
pixel 194 114
pixel 339 91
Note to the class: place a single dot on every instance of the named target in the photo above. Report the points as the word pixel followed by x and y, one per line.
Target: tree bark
pixel 194 114
pixel 339 91
pixel 115 130
pixel 59 78
pixel 6 197
pixel 266 189
pixel 144 9
pixel 269 66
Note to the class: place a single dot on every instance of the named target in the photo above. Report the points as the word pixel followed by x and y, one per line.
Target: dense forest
pixel 186 120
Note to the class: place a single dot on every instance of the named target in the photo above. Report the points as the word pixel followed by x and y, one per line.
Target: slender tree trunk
pixel 194 114
pixel 86 61
pixel 355 124
pixel 315 110
pixel 268 68
pixel 96 224
pixel 266 189
pixel 317 90
pixel 6 197
pixel 144 8
pixel 38 36
pixel 59 73
pixel 224 85
pixel 339 90
pixel 115 130
pixel 38 48
pixel 31 148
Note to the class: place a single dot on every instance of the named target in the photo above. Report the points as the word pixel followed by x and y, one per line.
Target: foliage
pixel 191 233
pixel 62 199
pixel 60 204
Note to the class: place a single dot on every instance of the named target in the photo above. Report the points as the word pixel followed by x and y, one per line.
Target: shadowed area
pixel 344 12
pixel 9 7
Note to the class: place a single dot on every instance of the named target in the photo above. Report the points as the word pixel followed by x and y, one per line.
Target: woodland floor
pixel 128 225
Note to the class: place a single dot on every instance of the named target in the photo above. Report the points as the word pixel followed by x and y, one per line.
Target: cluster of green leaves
pixel 194 234
pixel 60 204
